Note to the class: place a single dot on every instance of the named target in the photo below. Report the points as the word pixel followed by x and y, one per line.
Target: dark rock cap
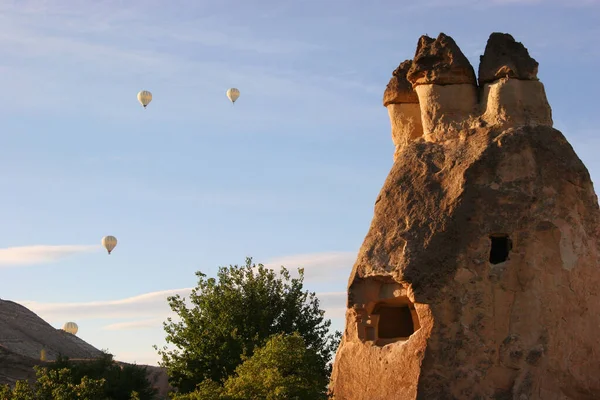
pixel 506 58
pixel 440 62
pixel 399 90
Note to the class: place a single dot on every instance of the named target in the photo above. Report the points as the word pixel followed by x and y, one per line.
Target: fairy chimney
pixel 402 104
pixel 479 276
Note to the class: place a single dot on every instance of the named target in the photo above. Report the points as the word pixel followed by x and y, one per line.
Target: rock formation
pixel 402 103
pixel 23 335
pixel 479 276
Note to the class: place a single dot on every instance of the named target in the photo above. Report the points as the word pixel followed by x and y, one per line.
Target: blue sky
pixel 289 175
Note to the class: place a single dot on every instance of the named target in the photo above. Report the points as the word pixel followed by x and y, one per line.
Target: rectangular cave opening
pixel 395 322
pixel 501 246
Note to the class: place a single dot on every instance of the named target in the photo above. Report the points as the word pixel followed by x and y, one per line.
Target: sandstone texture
pixel 479 277
pixel 512 102
pixel 403 107
pixel 399 90
pixel 506 58
pixel 440 61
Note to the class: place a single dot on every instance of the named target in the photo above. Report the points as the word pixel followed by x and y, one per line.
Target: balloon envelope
pixel 70 327
pixel 233 94
pixel 109 243
pixel 144 97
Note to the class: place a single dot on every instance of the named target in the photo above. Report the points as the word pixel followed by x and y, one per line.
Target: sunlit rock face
pixel 479 276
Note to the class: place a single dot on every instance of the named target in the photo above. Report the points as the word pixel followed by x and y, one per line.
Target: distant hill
pixel 23 335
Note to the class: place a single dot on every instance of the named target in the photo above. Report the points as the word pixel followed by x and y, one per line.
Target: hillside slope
pixel 23 335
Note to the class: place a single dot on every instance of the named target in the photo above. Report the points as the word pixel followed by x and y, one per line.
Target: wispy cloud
pixel 139 358
pixel 41 254
pixel 146 311
pixel 108 58
pixel 334 304
pixel 150 305
pixel 149 323
pixel 323 267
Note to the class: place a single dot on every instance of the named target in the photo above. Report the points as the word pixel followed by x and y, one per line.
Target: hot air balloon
pixel 233 94
pixel 109 243
pixel 71 327
pixel 43 355
pixel 144 97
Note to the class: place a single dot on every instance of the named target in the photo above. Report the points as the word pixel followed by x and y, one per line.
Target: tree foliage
pixel 235 313
pixel 284 369
pixel 55 384
pixel 121 380
pixel 99 379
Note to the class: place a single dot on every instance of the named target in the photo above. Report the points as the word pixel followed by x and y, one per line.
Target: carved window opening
pixel 395 322
pixel 501 247
pixel 383 312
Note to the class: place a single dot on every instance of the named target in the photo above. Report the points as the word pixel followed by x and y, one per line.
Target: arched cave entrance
pixel 385 314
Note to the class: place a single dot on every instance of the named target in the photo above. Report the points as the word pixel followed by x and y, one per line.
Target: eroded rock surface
pixel 504 57
pixel 440 61
pixel 399 90
pixel 479 277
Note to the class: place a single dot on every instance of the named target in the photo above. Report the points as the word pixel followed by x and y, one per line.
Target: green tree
pixel 232 315
pixel 63 381
pixel 206 390
pixel 22 391
pixel 121 380
pixel 284 369
pixel 5 392
pixel 54 384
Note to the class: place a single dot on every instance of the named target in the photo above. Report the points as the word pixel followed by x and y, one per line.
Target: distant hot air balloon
pixel 43 355
pixel 233 94
pixel 71 327
pixel 109 243
pixel 144 97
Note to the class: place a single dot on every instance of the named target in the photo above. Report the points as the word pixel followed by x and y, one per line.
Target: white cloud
pixel 139 358
pixel 136 322
pixel 150 23
pixel 151 305
pixel 150 323
pixel 148 311
pixel 41 254
pixel 323 267
pixel 334 304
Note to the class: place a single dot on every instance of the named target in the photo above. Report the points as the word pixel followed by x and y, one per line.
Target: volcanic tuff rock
pixel 506 58
pixel 403 107
pixel 399 89
pixel 441 62
pixel 479 277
